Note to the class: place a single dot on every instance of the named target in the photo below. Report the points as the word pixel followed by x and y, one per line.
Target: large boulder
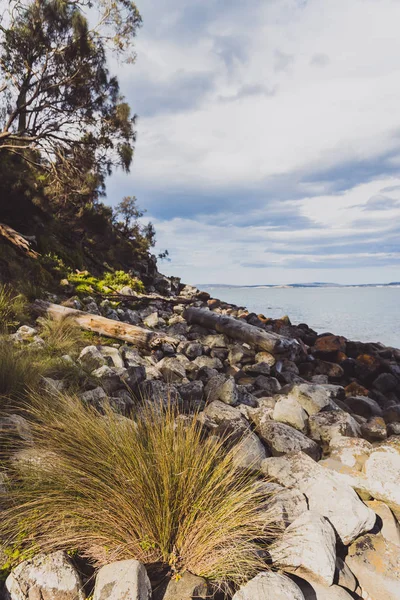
pixel 308 546
pixel 269 586
pixel 376 563
pixel 325 426
pixel 122 580
pixel 283 439
pixel 287 505
pixel 312 398
pixel 382 470
pixel 288 410
pixel 45 577
pixel 326 494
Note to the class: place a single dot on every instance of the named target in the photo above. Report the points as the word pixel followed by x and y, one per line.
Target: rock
pixel 312 398
pixel 376 564
pixel 250 452
pixel 313 590
pixel 364 406
pixel 374 430
pixel 386 382
pixel 268 385
pixel 326 495
pixel 171 369
pixel 188 587
pixel 330 344
pixel 269 586
pixel 283 439
pixel 344 576
pixel 208 361
pixel 218 412
pixel 382 470
pixel 265 357
pixel 287 505
pixel 122 580
pixel 15 426
pixel 132 357
pixel 328 368
pixel 132 376
pixel 151 320
pixel 110 378
pixel 45 577
pixel 91 358
pixel 393 429
pixel 192 350
pixel 260 368
pixel 158 391
pixel 94 397
pixel 92 308
pixel 347 475
pixel 220 388
pixel 112 356
pixel 53 386
pixel 25 333
pixel 352 452
pixel 240 354
pixel 325 426
pixel 132 317
pixel 308 546
pixel 392 414
pixel 288 410
pixel 192 393
pixel 387 522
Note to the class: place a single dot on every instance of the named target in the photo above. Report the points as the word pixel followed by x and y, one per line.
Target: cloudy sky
pixel 269 138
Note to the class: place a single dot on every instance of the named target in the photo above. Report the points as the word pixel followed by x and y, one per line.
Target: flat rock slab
pixel 269 586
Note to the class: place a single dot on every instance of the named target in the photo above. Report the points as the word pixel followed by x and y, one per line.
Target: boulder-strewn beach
pixel 317 415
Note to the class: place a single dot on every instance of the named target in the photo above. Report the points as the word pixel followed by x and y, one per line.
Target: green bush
pixel 155 489
pixel 85 283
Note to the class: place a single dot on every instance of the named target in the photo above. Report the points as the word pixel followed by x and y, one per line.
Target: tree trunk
pixel 243 332
pixel 138 336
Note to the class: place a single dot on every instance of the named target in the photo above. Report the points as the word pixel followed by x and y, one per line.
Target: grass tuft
pixel 19 372
pixel 12 308
pixel 62 335
pixel 154 488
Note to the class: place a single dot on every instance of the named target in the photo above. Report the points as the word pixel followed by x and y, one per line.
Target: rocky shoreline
pixel 321 419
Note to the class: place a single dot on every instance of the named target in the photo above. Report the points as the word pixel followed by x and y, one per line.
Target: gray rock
pixel 171 369
pixel 287 505
pixel 268 385
pixel 109 377
pixel 112 356
pixel 208 361
pixel 192 350
pixel 308 546
pixel 374 430
pixel 382 470
pixel 132 317
pixel 151 320
pixel 122 580
pixel 326 425
pixel 189 587
pixel 283 439
pixel 45 577
pixel 269 586
pixel 192 392
pixel 218 412
pixel 386 382
pixel 313 590
pixel 91 358
pixel 288 410
pixel 250 452
pixel 260 368
pixel 364 406
pixel 92 308
pixel 326 494
pixel 94 397
pixel 344 576
pixel 159 391
pixel 312 398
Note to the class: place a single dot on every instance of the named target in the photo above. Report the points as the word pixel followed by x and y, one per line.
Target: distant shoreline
pixel 300 285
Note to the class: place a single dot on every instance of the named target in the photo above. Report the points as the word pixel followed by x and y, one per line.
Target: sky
pixel 268 147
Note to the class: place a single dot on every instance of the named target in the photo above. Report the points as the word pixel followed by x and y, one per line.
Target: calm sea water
pixel 363 314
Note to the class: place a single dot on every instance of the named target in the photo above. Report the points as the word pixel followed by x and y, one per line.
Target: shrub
pixel 85 283
pixel 155 489
pixel 12 308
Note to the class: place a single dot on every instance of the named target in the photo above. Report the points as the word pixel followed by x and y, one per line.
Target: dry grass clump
pixel 62 335
pixel 19 372
pixel 12 307
pixel 155 489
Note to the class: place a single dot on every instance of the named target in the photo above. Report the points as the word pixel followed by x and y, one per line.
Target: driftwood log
pixel 21 242
pixel 243 332
pixel 138 336
pixel 145 298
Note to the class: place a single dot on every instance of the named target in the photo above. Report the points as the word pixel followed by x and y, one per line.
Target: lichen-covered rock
pixel 352 452
pixel 287 505
pixel 45 577
pixel 218 412
pixel 387 522
pixel 308 546
pixel 376 563
pixel 382 470
pixel 327 425
pixel 312 398
pixel 172 369
pixel 91 358
pixel 269 586
pixel 283 439
pixel 250 452
pixel 122 580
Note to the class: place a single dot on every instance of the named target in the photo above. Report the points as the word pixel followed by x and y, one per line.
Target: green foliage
pixel 86 284
pixel 13 308
pixel 155 489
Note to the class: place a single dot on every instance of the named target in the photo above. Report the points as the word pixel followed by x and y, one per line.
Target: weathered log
pixel 145 298
pixel 138 336
pixel 21 242
pixel 243 332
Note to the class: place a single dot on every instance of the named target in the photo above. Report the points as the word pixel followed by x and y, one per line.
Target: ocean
pixel 362 314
